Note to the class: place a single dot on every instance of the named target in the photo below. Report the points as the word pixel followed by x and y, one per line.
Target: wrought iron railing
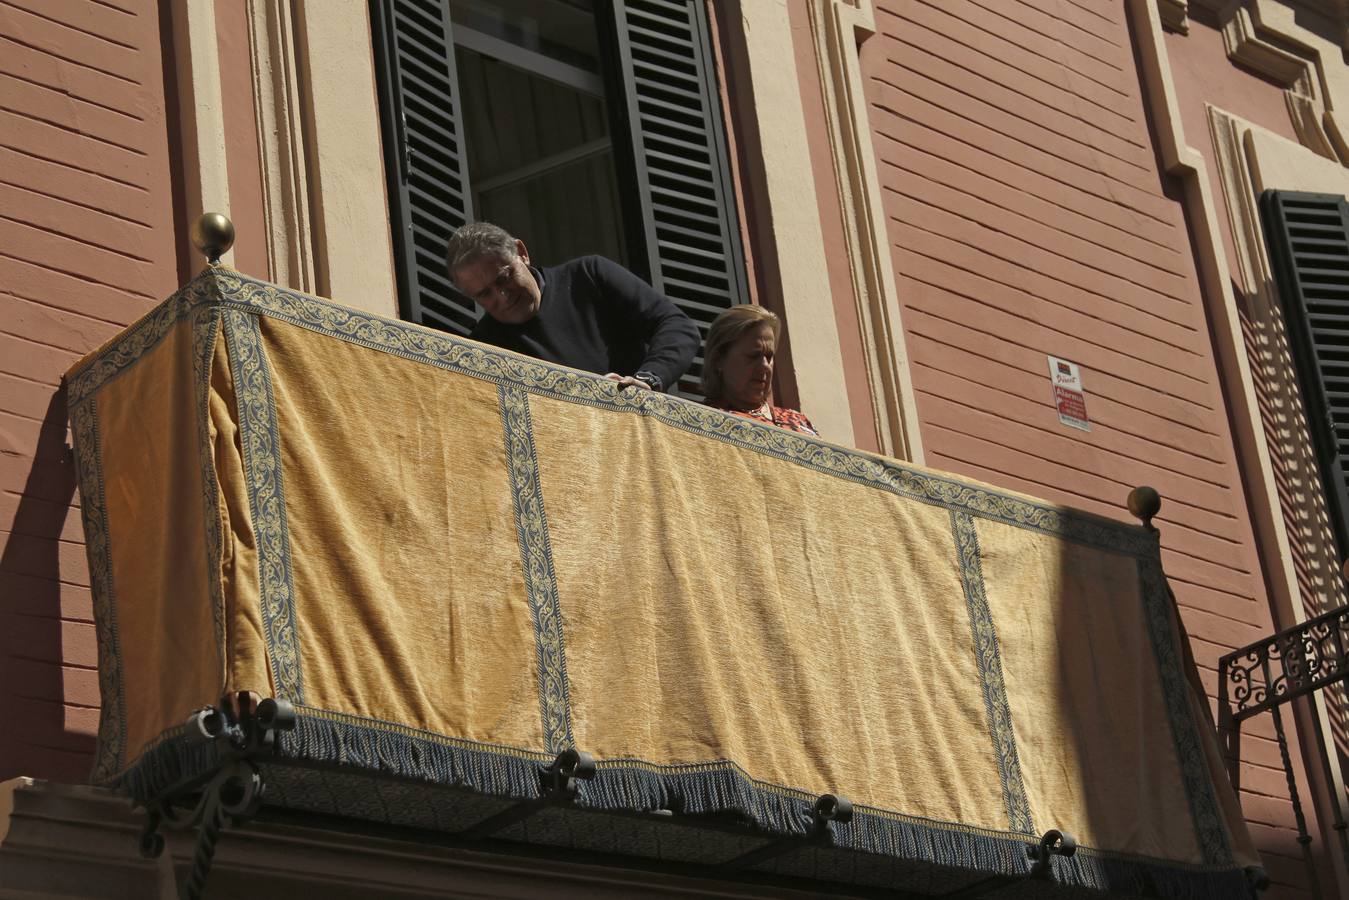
pixel 1284 666
pixel 1271 672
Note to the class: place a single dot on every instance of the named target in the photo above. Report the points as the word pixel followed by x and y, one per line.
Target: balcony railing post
pixel 1303 837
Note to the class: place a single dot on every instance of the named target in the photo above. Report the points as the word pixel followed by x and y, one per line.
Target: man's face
pixel 504 287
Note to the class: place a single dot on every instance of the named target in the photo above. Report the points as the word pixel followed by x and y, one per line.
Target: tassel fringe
pixel 705 790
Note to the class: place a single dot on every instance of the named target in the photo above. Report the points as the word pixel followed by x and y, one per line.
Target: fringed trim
pixel 391 751
pixel 1150 878
pixel 788 813
pixel 705 790
pixel 419 756
pixel 170 761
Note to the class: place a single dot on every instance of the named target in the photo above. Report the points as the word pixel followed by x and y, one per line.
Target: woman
pixel 738 367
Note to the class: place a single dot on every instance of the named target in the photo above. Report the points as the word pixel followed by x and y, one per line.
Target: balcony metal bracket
pixel 1051 844
pixel 242 729
pixel 828 809
pixel 560 784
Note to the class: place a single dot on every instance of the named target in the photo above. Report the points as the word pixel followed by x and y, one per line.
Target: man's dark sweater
pixel 598 316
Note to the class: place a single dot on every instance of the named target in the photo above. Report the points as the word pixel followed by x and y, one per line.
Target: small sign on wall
pixel 1066 378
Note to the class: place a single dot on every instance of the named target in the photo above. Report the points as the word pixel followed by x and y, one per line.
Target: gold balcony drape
pixel 457 562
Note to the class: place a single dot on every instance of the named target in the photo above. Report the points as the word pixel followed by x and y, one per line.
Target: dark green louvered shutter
pixel 425 157
pixel 663 94
pixel 1308 238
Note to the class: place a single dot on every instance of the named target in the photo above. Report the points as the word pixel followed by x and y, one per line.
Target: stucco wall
pixel 86 246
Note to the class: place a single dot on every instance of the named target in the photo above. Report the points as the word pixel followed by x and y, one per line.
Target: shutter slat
pixel 651 40
pixel 664 76
pixel 1314 228
pixel 653 57
pixel 682 90
pixel 663 139
pixel 677 156
pixel 682 214
pixel 441 209
pixel 666 112
pixel 1305 258
pixel 667 10
pixel 423 84
pixel 422 136
pixel 703 313
pixel 416 73
pixel 677 164
pixel 425 157
pixel 433 174
pixel 691 238
pixel 1317 275
pixel 717 261
pixel 652 18
pixel 705 279
pixel 1298 243
pixel 418 25
pixel 1308 239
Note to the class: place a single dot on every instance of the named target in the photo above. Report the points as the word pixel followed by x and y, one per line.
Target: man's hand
pixel 626 381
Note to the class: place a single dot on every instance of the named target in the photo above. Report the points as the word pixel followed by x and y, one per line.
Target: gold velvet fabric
pixel 458 562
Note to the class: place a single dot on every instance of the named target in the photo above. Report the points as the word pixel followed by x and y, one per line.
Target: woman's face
pixel 747 368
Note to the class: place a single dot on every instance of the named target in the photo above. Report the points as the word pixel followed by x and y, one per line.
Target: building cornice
pixel 81 841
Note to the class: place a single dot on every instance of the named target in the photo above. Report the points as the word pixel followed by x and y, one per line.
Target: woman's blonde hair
pixel 725 331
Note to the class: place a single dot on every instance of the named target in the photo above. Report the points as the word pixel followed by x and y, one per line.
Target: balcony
pixel 354 575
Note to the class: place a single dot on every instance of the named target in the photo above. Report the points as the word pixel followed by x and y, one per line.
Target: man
pixel 589 313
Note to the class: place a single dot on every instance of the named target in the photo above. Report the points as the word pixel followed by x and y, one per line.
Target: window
pixel 582 126
pixel 540 158
pixel 1308 238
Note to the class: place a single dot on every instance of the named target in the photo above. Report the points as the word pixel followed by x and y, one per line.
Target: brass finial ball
pixel 213 235
pixel 1344 570
pixel 1145 502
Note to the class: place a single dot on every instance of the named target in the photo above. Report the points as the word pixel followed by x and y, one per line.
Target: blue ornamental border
pixel 989 658
pixel 109 756
pixel 536 559
pixel 261 444
pixel 205 330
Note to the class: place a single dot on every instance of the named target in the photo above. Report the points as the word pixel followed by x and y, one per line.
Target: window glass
pixel 540 159
pixel 563 30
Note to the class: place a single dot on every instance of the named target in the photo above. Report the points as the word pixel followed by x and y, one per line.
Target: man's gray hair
pixel 477 240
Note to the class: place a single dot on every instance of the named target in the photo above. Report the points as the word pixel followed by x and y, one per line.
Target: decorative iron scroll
pixel 1286 665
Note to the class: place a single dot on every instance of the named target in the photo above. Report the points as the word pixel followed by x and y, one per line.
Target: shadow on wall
pixel 41 736
pixel 1297 474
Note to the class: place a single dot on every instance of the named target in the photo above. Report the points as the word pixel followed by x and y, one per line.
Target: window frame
pixel 697 261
